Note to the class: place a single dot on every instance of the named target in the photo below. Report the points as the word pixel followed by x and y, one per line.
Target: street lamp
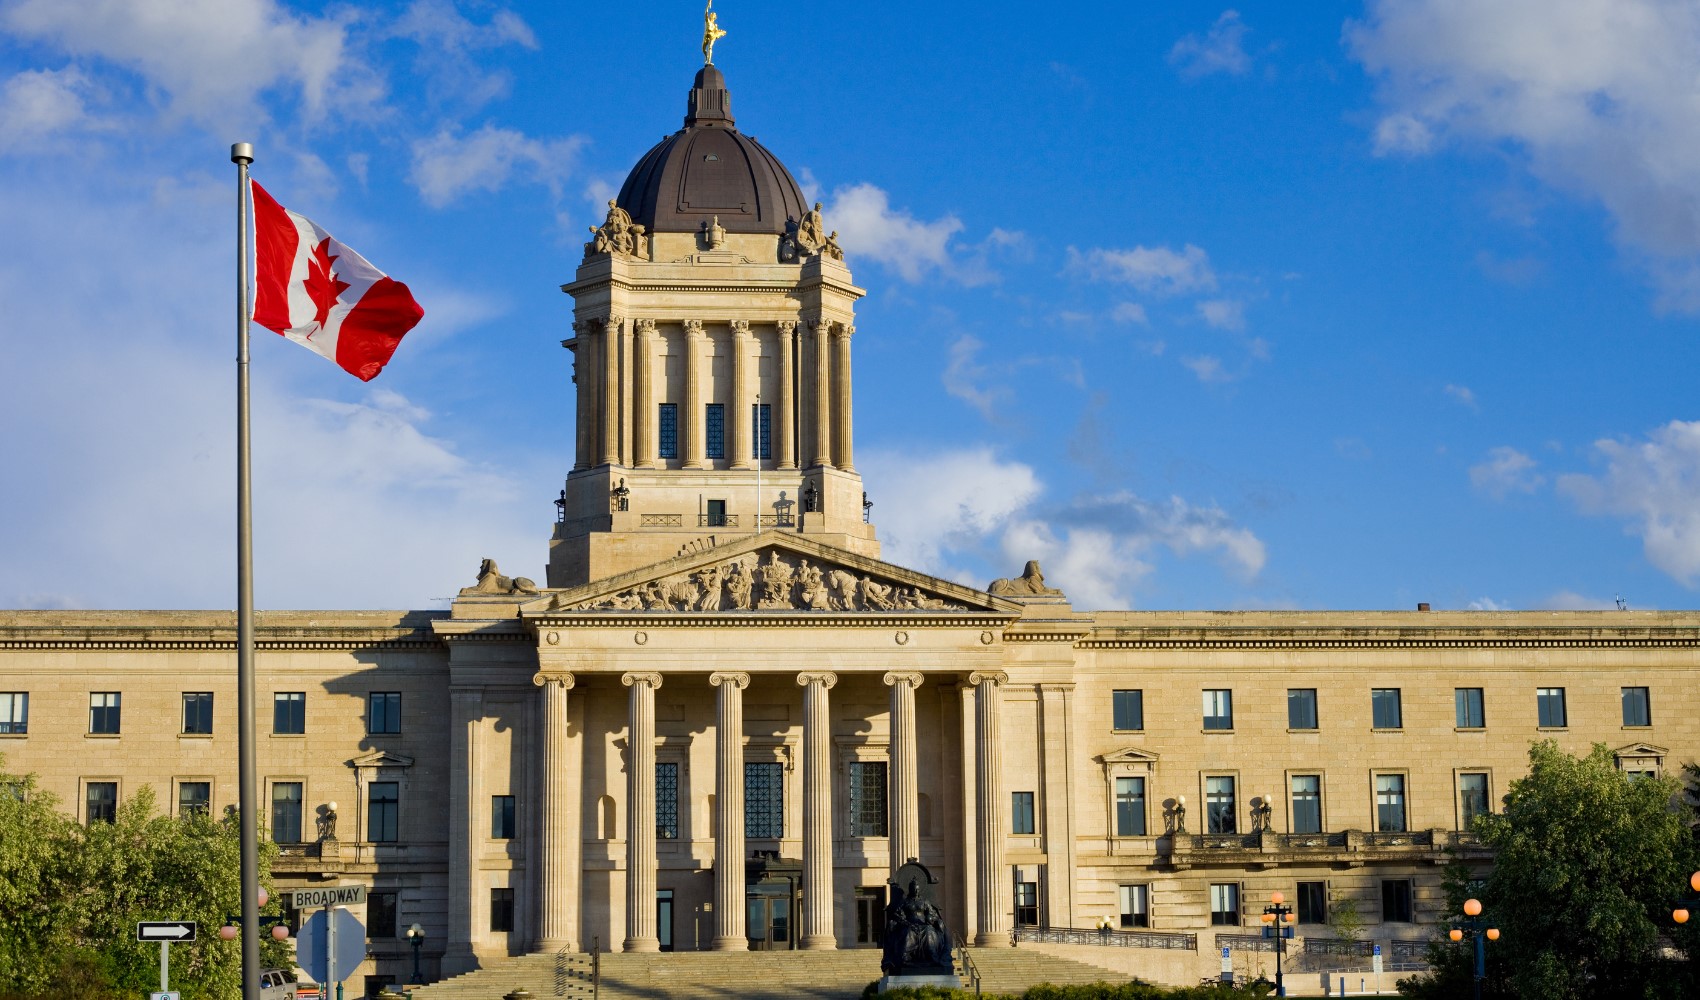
pixel 1279 918
pixel 1680 914
pixel 1478 930
pixel 416 937
pixel 280 931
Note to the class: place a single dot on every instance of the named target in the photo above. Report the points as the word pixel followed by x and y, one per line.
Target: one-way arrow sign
pixel 175 931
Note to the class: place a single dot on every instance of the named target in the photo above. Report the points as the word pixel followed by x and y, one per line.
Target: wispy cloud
pixel 1221 49
pixel 1156 270
pixel 449 165
pixel 1654 484
pixel 1505 471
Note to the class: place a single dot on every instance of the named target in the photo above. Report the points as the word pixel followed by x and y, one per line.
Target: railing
pixel 595 967
pixel 1245 942
pixel 1313 841
pixel 563 971
pixel 661 520
pixel 717 520
pixel 1218 841
pixel 1403 838
pixel 969 969
pixel 1409 956
pixel 778 520
pixel 1339 947
pixel 1168 940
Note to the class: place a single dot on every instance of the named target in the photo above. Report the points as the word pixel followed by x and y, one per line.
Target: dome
pixel 709 169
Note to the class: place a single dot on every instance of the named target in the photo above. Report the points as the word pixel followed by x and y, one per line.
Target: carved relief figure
pixel 709 580
pixel 781 582
pixel 739 585
pixel 1031 582
pixel 617 235
pixel 876 596
pixel 776 580
pixel 811 590
pixel 841 590
pixel 831 247
pixel 491 581
pixel 811 231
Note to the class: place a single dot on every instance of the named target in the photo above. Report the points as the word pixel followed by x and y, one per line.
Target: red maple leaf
pixel 323 284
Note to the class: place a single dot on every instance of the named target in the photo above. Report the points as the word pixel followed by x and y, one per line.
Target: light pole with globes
pixel 280 930
pixel 416 937
pixel 1279 918
pixel 1478 930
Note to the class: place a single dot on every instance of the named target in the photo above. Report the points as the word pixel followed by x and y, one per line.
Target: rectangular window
pixel 1396 900
pixel 1549 707
pixel 383 803
pixel 14 712
pixel 867 799
pixel 761 421
pixel 1136 905
pixel 1390 803
pixel 1472 798
pixel 668 445
pixel 1313 902
pixel 502 817
pixel 105 711
pixel 1637 707
pixel 714 430
pixel 383 712
pixel 764 801
pixel 286 812
pixel 502 910
pixel 1218 709
pixel 381 915
pixel 1301 708
pixel 193 797
pixel 1307 803
pixel 1129 710
pixel 1225 904
pixel 667 800
pixel 289 713
pixel 197 713
pixel 100 801
pixel 1027 904
pixel 1468 703
pixel 1385 710
pixel 1021 813
pixel 714 514
pixel 1130 807
pixel 1220 810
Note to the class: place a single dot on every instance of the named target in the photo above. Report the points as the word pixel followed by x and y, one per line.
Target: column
pixel 817 811
pixel 584 385
pixel 626 389
pixel 729 931
pixel 841 396
pixel 787 422
pixel 820 393
pixel 691 426
pixel 1056 744
pixel 740 438
pixel 643 377
pixel 992 888
pixel 465 715
pixel 904 791
pixel 559 837
pixel 969 789
pixel 640 812
pixel 609 402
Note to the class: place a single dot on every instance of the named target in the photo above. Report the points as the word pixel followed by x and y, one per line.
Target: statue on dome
pixel 810 233
pixel 618 235
pixel 711 33
pixel 831 248
pixel 808 237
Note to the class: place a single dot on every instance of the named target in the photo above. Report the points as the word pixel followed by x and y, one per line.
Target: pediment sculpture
pixel 777 582
pixel 618 236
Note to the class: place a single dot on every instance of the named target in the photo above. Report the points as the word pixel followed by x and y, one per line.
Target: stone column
pixel 627 374
pixel 787 422
pixel 905 793
pixel 640 812
pixel 584 384
pixel 820 394
pixel 643 376
pixel 817 811
pixel 609 451
pixel 740 440
pixel 729 933
pixel 992 887
pixel 967 798
pixel 691 425
pixel 466 712
pixel 559 836
pixel 841 396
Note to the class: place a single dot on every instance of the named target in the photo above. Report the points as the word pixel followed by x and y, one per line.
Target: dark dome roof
pixel 710 169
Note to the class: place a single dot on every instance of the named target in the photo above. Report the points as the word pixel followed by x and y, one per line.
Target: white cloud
pixel 1505 471
pixel 1655 485
pixel 1463 394
pixel 1598 96
pixel 967 379
pixel 1569 600
pixel 1130 312
pixel 1208 368
pixel 35 104
pixel 933 504
pixel 449 165
pixel 1157 270
pixel 1220 50
pixel 1487 604
pixel 1223 314
pixel 869 228
pixel 448 42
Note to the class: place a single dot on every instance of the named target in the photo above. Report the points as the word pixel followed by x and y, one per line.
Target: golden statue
pixel 711 33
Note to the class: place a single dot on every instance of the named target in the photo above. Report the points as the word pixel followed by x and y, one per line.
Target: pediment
pixel 1128 755
pixel 1641 750
pixel 381 758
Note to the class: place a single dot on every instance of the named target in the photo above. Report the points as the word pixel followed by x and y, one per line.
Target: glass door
pixel 769 922
pixel 664 918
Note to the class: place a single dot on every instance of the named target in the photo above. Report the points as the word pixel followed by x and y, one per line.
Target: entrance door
pixel 769 922
pixel 664 918
pixel 870 915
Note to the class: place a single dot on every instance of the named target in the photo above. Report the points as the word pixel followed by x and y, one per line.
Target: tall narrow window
pixel 1386 712
pixel 502 825
pixel 100 801
pixel 383 812
pixel 193 798
pixel 286 812
pixel 761 438
pixel 1313 902
pixel 1218 709
pixel 1136 905
pixel 14 712
pixel 1390 803
pixel 1549 708
pixel 1468 703
pixel 668 445
pixel 501 910
pixel 1637 707
pixel 1220 810
pixel 1021 813
pixel 1128 709
pixel 1307 803
pixel 289 713
pixel 867 799
pixel 383 712
pixel 1225 904
pixel 667 800
pixel 1472 798
pixel 381 915
pixel 764 801
pixel 714 430
pixel 1396 900
pixel 1130 807
pixel 197 713
pixel 1027 904
pixel 105 712
pixel 1301 708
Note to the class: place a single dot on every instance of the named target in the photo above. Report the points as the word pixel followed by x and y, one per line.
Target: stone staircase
pixel 1012 970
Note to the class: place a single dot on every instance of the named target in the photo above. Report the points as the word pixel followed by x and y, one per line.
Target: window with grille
pixel 668 445
pixel 14 712
pixel 1225 904
pixel 1027 904
pixel 1549 707
pixel 867 799
pixel 105 712
pixel 383 812
pixel 1390 803
pixel 1301 708
pixel 1136 905
pixel 1313 902
pixel 289 713
pixel 100 801
pixel 1219 709
pixel 1128 708
pixel 1220 810
pixel 1021 813
pixel 1385 709
pixel 1468 703
pixel 667 800
pixel 714 430
pixel 1472 798
pixel 1307 803
pixel 198 713
pixel 764 801
pixel 1637 707
pixel 761 420
pixel 383 712
pixel 286 812
pixel 1130 807
pixel 193 797
pixel 502 817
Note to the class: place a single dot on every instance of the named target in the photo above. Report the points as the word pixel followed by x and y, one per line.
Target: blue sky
pixel 1324 305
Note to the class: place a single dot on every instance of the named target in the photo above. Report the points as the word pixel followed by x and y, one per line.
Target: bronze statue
pixel 915 940
pixel 711 33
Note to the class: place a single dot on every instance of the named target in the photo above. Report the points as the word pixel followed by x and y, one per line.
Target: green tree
pixel 35 852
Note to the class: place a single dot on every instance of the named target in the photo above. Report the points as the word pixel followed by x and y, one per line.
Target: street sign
pixel 165 995
pixel 329 952
pixel 173 931
pixel 1378 960
pixel 335 895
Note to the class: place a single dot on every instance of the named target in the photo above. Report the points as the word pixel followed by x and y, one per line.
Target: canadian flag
pixel 313 289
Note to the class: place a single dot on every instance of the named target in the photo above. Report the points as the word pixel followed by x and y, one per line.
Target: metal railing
pixel 1339 947
pixel 717 520
pixel 1169 940
pixel 1409 956
pixel 778 520
pixel 1402 838
pixel 595 967
pixel 970 971
pixel 1245 942
pixel 661 520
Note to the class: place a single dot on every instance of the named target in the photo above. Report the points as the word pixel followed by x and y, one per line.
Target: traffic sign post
pixel 331 944
pixel 166 932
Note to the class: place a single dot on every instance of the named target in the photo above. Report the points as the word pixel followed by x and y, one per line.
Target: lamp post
pixel 1479 931
pixel 1279 920
pixel 416 938
pixel 280 931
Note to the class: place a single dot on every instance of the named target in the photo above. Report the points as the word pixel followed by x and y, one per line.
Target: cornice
pixel 1402 638
pixel 765 619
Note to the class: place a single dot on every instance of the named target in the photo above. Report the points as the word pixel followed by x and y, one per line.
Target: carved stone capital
pixel 560 680
pixel 636 677
pixel 611 323
pixel 824 678
pixel 736 678
pixel 693 328
pixel 818 324
pixel 646 327
pixel 909 677
pixel 787 326
pixel 741 327
pixel 996 677
pixel 843 330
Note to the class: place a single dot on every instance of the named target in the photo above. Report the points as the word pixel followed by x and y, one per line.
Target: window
pixel 1224 904
pixel 14 712
pixel 668 446
pixel 714 515
pixel 1637 707
pixel 1468 702
pixel 1136 905
pixel 1307 803
pixel 502 816
pixel 1021 813
pixel 1313 902
pixel 289 713
pixel 1218 709
pixel 381 914
pixel 1301 708
pixel 1472 798
pixel 667 800
pixel 714 437
pixel 1396 900
pixel 1128 708
pixel 383 712
pixel 197 713
pixel 193 797
pixel 761 438
pixel 100 801
pixel 383 802
pixel 501 909
pixel 1219 807
pixel 1130 807
pixel 105 708
pixel 1026 904
pixel 764 800
pixel 1549 707
pixel 286 812
pixel 867 799
pixel 1390 803
pixel 1385 710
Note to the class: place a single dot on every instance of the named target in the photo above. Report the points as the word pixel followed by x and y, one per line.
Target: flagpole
pixel 242 154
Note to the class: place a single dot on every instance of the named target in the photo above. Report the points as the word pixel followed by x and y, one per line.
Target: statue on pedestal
pixel 916 942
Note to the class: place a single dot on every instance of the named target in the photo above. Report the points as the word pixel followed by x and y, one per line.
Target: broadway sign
pixel 336 895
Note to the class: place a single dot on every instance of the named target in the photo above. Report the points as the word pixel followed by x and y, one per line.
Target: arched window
pixel 606 816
